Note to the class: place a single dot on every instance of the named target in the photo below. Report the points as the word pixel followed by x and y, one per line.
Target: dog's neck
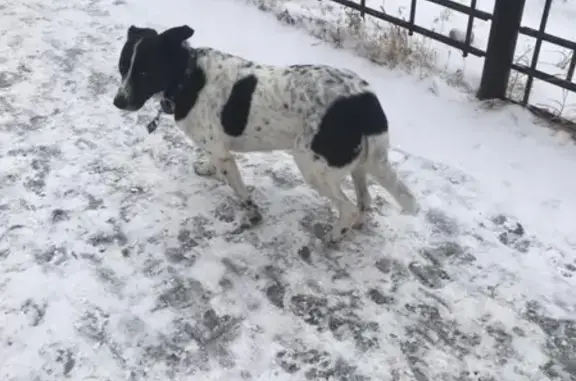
pixel 186 69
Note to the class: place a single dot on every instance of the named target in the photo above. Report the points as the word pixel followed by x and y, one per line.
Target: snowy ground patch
pixel 117 262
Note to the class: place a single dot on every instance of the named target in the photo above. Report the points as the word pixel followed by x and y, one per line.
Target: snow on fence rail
pixel 506 20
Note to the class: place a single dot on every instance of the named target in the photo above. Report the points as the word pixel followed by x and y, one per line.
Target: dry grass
pixel 390 45
pixel 557 111
pixel 376 40
pixel 517 81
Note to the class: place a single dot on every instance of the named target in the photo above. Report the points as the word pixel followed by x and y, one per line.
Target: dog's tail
pixel 378 165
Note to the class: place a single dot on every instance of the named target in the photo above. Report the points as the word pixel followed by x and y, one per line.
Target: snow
pixel 117 262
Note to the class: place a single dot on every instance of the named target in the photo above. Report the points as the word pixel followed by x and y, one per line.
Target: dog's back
pixel 281 104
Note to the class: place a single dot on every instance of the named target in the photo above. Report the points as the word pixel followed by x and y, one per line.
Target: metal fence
pixel 499 55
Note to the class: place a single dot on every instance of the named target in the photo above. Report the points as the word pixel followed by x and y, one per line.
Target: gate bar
pixel 571 67
pixel 463 9
pixel 412 17
pixel 418 29
pixel 469 28
pixel 537 48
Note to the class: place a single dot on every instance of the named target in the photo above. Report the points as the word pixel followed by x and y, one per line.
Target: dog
pixel 328 118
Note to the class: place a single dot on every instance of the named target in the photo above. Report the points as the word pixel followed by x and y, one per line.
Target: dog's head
pixel 149 63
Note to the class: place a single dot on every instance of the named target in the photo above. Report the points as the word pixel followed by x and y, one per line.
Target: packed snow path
pixel 118 263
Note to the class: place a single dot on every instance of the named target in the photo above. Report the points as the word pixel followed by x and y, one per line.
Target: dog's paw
pixel 360 221
pixel 409 205
pixel 204 168
pixel 253 218
pixel 248 221
pixel 411 209
pixel 329 245
pixel 333 238
pixel 252 215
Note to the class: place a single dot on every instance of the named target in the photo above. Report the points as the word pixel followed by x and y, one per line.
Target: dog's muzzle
pixel 123 102
pixel 120 102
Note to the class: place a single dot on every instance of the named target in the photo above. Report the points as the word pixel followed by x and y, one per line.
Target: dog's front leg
pixel 229 169
pixel 204 165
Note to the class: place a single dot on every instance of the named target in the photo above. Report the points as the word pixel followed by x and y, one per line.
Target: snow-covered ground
pixel 118 263
pixel 448 61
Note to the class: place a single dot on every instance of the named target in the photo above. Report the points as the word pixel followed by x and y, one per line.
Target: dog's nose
pixel 120 102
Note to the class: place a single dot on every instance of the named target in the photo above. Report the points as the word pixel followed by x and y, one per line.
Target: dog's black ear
pixel 135 32
pixel 178 34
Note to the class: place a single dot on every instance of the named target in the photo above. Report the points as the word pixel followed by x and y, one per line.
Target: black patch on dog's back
pixel 234 115
pixel 345 123
pixel 189 92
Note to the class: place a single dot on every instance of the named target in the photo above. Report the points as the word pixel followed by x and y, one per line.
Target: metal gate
pixel 499 54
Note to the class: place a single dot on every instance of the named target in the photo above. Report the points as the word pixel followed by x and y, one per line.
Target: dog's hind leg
pixel 327 183
pixel 363 198
pixel 227 167
pixel 379 167
pixel 348 212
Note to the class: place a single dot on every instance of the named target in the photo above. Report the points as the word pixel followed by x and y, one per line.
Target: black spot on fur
pixel 234 115
pixel 345 123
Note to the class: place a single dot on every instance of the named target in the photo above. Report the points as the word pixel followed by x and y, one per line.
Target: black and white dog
pixel 330 119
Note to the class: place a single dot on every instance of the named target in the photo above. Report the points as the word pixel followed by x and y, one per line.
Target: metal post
pixel 412 17
pixel 504 31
